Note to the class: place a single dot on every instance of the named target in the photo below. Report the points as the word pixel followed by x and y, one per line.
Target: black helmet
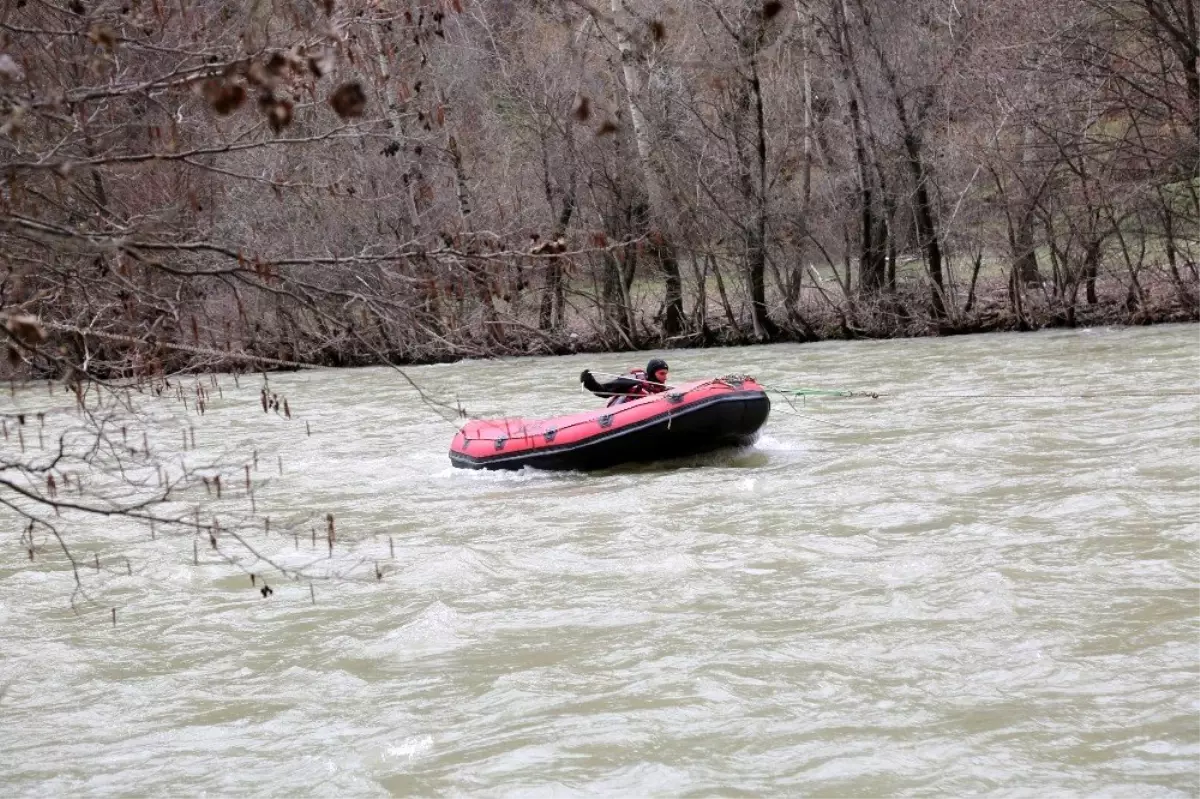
pixel 653 367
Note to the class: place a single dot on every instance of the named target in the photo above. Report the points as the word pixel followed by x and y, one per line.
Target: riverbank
pixel 816 317
pixel 817 314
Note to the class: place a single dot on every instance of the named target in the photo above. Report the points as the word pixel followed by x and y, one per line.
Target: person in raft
pixel 629 387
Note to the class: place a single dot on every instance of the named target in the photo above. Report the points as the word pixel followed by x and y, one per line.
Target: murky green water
pixel 985 581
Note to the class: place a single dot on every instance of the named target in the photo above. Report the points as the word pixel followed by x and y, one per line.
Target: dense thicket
pixel 206 182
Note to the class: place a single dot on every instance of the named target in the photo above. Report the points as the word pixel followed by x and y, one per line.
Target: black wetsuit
pixel 625 388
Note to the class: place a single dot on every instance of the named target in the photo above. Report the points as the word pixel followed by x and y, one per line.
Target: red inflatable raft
pixel 686 420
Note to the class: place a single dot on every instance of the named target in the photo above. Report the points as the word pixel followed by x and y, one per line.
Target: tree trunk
pixel 554 292
pixel 976 266
pixel 661 246
pixel 616 308
pixel 729 315
pixel 1025 255
pixel 1168 217
pixel 1091 263
pixel 927 230
pixel 753 158
pixel 1024 248
pixel 910 124
pixel 889 209
pixel 871 258
pixel 1181 34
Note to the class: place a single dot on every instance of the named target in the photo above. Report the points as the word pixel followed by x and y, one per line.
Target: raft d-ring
pixel 605 421
pixel 500 442
pixel 675 398
pixel 550 434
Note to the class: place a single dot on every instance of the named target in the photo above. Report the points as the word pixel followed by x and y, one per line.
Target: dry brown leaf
pixel 26 329
pixel 224 97
pixel 583 108
pixel 279 112
pixel 102 35
pixel 13 126
pixel 607 127
pixel 771 9
pixel 276 64
pixel 349 100
pixel 658 30
pixel 257 75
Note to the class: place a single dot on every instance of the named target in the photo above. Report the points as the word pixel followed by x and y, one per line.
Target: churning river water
pixel 985 581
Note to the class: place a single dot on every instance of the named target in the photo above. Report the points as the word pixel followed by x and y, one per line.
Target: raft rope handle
pixel 615 410
pixel 526 434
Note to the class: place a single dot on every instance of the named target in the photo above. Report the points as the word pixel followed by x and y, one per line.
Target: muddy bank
pixel 818 315
pixel 905 314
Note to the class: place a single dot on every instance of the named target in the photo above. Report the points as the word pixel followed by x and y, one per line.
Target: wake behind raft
pixel 691 419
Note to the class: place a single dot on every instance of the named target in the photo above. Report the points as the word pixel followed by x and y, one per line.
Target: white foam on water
pixel 411 747
pixel 769 443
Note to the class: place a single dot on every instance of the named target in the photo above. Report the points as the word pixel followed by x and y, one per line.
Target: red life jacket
pixel 643 389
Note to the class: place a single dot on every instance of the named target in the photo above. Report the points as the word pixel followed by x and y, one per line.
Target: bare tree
pixel 631 56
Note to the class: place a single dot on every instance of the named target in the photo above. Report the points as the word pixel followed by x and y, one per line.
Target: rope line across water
pixel 810 392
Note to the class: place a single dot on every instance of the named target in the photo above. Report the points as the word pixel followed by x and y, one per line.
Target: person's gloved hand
pixel 585 376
